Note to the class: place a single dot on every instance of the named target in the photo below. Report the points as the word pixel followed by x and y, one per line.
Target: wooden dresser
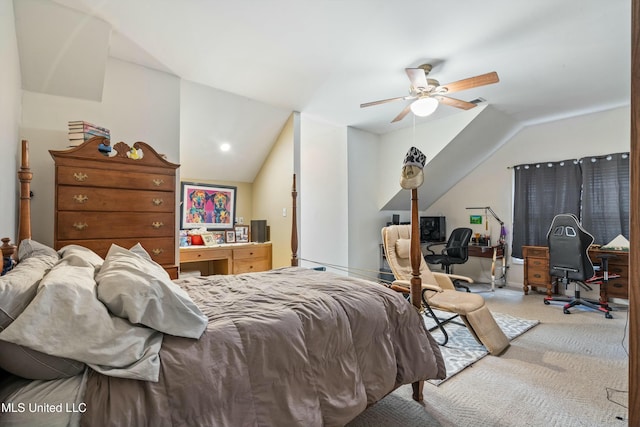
pixel 122 198
pixel 232 258
pixel 536 271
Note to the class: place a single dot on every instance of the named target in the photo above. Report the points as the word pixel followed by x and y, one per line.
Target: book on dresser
pixel 80 131
pixel 101 200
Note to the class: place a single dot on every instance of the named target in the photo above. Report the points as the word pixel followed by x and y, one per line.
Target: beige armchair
pixel 438 291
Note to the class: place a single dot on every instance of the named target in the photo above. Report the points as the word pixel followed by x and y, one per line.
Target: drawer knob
pixel 80 225
pixel 537 276
pixel 158 182
pixel 157 224
pixel 80 177
pixel 157 251
pixel 157 202
pixel 80 198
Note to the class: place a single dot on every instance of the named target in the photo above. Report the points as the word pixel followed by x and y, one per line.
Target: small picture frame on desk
pixel 218 236
pixel 208 239
pixel 242 233
pixel 231 236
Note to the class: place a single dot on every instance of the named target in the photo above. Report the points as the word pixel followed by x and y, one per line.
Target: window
pixel 595 189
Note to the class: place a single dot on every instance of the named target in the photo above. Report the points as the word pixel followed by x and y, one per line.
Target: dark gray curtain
pixel 605 196
pixel 541 192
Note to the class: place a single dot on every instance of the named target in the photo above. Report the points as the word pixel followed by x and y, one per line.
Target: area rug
pixel 462 350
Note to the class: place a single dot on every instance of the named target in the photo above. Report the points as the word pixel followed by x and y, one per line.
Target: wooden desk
pixel 494 252
pixel 231 258
pixel 536 271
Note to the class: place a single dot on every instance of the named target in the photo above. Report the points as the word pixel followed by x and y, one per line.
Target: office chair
pixel 569 261
pixel 439 293
pixel 456 251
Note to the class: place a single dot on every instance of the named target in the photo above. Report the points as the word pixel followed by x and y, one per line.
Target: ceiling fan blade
pixel 417 77
pixel 383 101
pixel 455 102
pixel 403 113
pixel 471 82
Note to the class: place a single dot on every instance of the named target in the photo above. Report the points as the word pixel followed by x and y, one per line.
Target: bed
pixel 92 341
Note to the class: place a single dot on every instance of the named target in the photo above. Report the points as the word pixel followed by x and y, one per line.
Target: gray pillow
pixel 80 256
pixel 17 290
pixel 34 365
pixel 65 319
pixel 18 287
pixel 30 248
pixel 136 288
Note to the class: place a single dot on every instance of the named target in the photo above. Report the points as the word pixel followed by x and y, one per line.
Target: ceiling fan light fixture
pixel 424 107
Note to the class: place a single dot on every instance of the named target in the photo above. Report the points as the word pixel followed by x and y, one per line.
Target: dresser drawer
pixel 536 251
pixel 249 265
pixel 256 252
pixel 71 198
pixel 162 250
pixel 618 288
pixel 113 225
pixel 538 276
pixel 202 253
pixel 89 177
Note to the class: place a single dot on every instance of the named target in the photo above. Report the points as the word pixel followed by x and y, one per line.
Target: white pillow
pixel 66 319
pixel 18 287
pixel 138 289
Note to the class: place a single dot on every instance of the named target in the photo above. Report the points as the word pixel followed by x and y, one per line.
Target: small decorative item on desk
pixel 185 239
pixel 218 237
pixel 196 235
pixel 208 239
pixel 242 233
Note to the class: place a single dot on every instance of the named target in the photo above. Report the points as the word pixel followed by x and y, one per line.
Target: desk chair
pixel 569 261
pixel 439 293
pixel 456 251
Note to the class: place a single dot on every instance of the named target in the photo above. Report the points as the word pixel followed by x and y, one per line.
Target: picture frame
pixel 208 239
pixel 242 233
pixel 218 237
pixel 207 206
pixel 475 219
pixel 231 236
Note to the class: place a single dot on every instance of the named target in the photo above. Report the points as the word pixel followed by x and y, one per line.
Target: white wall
pixel 430 138
pixel 138 104
pixel 323 193
pixel 210 117
pixel 365 218
pixel 10 104
pixel 491 183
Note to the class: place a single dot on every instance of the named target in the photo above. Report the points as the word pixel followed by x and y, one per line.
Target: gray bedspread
pixel 288 347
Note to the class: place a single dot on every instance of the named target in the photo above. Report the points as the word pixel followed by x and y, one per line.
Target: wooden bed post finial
pixel 294 225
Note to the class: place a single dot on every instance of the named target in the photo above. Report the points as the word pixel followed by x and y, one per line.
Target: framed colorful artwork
pixel 207 206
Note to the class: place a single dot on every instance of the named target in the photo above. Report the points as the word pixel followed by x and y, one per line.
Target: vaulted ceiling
pixel 324 58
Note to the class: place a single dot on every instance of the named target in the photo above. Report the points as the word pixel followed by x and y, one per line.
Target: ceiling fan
pixel 427 93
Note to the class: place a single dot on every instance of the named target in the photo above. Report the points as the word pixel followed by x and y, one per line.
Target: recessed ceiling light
pixel 225 147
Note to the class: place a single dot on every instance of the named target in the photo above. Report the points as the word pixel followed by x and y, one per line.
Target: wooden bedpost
pixel 416 253
pixel 416 280
pixel 294 225
pixel 25 176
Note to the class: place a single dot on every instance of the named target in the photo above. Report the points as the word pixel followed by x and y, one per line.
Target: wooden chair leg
pixel 417 390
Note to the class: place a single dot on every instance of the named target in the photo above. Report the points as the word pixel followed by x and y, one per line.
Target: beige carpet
pixel 570 370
